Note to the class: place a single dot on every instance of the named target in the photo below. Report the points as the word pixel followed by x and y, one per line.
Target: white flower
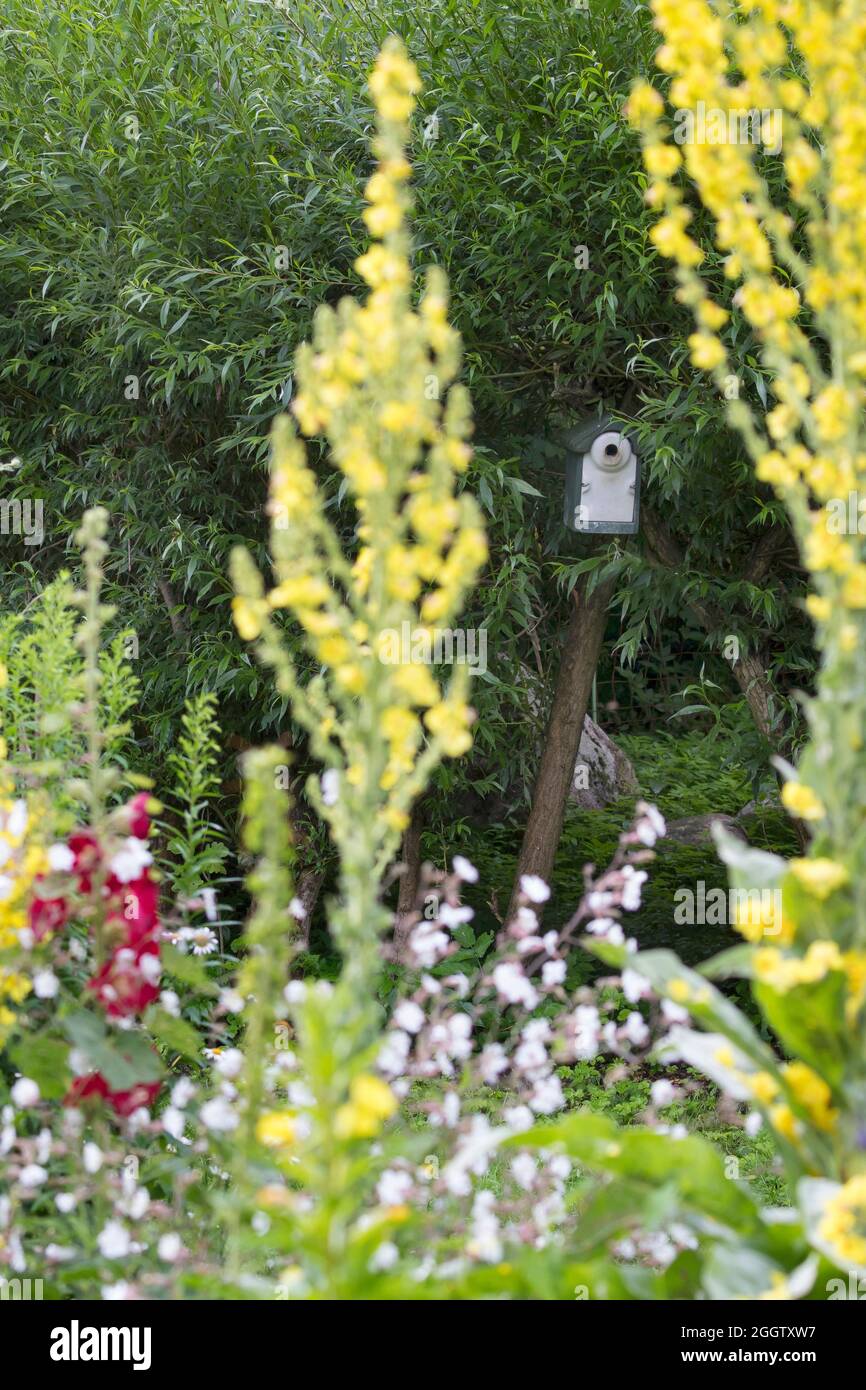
pixel 409 1016
pixel 43 1145
pixel 173 1121
pixel 550 941
pixel 169 1247
pixel 633 878
pixel 600 926
pixel 394 1187
pixel 182 1092
pixel 60 858
pixel 65 1202
pixel 536 1030
pixel 385 1256
pixel 45 984
pixel 663 1093
pixel 534 888
pixel 518 1118
pixel 151 968
pixel 295 992
pixel 24 1093
pixel 230 1063
pixel 674 1013
pixel 651 825
pixel 525 922
pixel 33 1175
pixel 113 1241
pixel 92 1157
pixel 209 901
pixel 330 786
pixel 525 1171
pixel 553 973
pixel 297 909
pixel 58 1253
pixel 17 822
pixel 527 944
pixel 547 1095
pixel 531 1056
pixel 754 1121
pixel 492 1063
pixel 635 1029
pixel 202 940
pixel 513 986
pixel 129 861
pixel 394 1052
pixel 559 1167
pixel 451 1109
pixel 634 986
pixel 218 1116
pixel 452 917
pixel 137 1204
pixel 170 1001
pixel 427 944
pixel 463 869
pixel 232 1001
pixel 115 1293
pixel 587 1024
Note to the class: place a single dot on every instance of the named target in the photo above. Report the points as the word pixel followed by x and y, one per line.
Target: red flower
pixel 85 848
pixel 46 915
pixel 139 818
pixel 129 979
pixel 135 905
pixel 122 1102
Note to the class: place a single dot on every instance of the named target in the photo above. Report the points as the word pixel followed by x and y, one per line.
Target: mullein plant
pixel 790 266
pixel 379 383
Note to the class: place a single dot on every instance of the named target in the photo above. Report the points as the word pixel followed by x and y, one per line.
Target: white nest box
pixel 602 479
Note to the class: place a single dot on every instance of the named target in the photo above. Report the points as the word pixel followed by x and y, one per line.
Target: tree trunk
pixel 410 881
pixel 580 653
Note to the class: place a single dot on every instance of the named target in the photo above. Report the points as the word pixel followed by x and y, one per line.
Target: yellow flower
pixel 820 876
pixel 305 591
pixel 833 411
pixel 844 1222
pixel 679 991
pixel 644 105
pixel 449 722
pixel 370 1104
pixel 416 683
pixel 764 1087
pixel 801 801
pixel 277 1129
pixel 247 616
pixel 854 588
pixel 662 161
pixel 819 608
pixel 813 1093
pixel 783 972
pixel 706 351
pixel 785 1121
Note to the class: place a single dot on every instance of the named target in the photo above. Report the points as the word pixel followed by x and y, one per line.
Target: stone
pixel 602 772
pixel 696 830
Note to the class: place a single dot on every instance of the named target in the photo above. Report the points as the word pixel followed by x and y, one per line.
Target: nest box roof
pixel 581 437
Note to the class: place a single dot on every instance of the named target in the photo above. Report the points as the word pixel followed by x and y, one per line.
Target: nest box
pixel 602 479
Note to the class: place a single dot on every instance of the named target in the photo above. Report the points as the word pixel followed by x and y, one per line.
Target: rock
pixel 696 830
pixel 766 803
pixel 602 772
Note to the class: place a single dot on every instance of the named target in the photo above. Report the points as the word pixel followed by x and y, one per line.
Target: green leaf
pixel 45 1061
pixel 188 969
pixel 175 1033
